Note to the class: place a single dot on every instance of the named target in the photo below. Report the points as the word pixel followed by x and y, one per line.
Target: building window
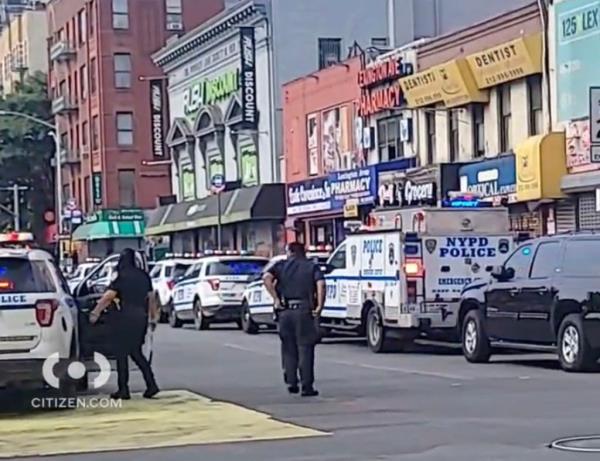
pixel 83 82
pixel 453 135
pixel 92 18
pixel 534 92
pixel 120 14
pixel 174 15
pixel 125 128
pixel 478 131
pixel 430 128
pixel 87 204
pixel 122 62
pixel 93 82
pixel 84 135
pixel 504 114
pixel 127 188
pixel 330 51
pixel 390 146
pixel 95 132
pixel 82 29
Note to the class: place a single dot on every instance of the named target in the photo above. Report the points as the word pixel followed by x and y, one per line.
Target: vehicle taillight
pixel 171 284
pixel 6 285
pixel 413 268
pixel 411 291
pixel 214 284
pixel 44 312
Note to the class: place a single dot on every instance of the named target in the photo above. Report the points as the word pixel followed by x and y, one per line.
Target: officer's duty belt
pixel 294 304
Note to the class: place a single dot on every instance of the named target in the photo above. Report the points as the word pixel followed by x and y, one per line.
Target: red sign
pixel 380 99
pixel 382 72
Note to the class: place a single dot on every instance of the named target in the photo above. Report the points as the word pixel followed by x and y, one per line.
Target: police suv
pixel 38 317
pixel 404 277
pixel 257 304
pixel 211 290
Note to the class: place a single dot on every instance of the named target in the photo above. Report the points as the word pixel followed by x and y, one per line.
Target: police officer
pixel 298 289
pixel 133 288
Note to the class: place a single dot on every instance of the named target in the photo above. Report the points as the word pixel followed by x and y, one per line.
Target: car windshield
pixel 178 270
pixel 236 267
pixel 19 275
pixel 155 272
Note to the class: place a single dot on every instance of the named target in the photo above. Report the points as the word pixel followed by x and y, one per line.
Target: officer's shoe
pixel 293 389
pixel 120 395
pixel 310 392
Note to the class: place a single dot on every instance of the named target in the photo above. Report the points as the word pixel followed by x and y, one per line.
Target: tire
pixel 174 321
pixel 376 332
pixel 574 351
pixel 200 322
pixel 474 339
pixel 248 325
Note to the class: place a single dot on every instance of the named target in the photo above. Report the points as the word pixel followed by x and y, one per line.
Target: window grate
pixel 589 218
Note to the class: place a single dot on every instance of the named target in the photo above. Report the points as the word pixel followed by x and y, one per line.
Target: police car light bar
pixel 315 248
pixel 15 237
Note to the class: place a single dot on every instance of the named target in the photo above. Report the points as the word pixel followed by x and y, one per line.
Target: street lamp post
pixel 57 162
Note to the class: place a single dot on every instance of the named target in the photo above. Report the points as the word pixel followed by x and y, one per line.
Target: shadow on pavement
pixel 544 364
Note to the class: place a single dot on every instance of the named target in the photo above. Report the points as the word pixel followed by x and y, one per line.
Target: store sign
pixel 490 179
pixel 248 78
pixel 332 192
pixel 97 188
pixel 377 95
pixel 157 118
pixel 117 215
pixel 210 91
pixel 509 61
pixel 395 191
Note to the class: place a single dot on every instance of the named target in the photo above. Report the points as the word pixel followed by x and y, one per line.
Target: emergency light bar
pixel 16 237
pixel 227 253
pixel 315 248
pixel 92 260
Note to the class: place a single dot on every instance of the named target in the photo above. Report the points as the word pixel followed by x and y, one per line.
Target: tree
pixel 26 150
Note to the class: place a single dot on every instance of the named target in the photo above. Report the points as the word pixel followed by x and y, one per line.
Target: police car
pixel 403 277
pixel 211 291
pixel 165 274
pixel 257 304
pixel 81 272
pixel 38 316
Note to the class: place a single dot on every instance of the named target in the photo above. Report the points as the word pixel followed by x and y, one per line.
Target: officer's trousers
pixel 298 333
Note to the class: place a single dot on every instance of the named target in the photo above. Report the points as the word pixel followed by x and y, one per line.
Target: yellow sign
pixel 540 164
pixel 351 209
pixel 509 61
pixel 451 83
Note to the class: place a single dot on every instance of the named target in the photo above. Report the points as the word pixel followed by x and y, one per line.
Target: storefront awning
pixel 540 165
pixel 264 202
pixel 580 182
pixel 102 230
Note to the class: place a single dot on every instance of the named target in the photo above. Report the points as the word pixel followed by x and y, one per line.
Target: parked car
pixel 545 297
pixel 81 272
pixel 165 274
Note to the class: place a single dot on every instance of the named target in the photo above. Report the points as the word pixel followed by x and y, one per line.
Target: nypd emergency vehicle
pixel 403 276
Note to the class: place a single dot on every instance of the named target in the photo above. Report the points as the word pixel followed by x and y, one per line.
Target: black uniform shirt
pixel 296 278
pixel 132 287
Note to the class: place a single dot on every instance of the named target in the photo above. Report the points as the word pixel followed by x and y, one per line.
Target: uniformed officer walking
pixel 298 288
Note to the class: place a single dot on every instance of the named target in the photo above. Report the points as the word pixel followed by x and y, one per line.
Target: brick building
pixel 100 67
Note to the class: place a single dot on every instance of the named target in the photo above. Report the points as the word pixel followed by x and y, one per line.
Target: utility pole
pixel 16 211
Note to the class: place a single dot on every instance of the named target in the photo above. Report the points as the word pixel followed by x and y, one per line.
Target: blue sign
pixel 329 193
pixel 489 179
pixel 577 36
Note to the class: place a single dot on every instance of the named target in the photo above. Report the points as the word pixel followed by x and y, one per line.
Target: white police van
pixel 257 303
pixel 38 317
pixel 211 290
pixel 403 277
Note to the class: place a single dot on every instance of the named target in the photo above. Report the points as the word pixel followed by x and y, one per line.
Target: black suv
pixel 546 296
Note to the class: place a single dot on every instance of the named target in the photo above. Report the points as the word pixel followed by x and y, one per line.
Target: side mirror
pixel 326 268
pixel 503 274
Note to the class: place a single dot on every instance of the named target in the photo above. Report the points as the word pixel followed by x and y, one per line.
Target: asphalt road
pixel 428 404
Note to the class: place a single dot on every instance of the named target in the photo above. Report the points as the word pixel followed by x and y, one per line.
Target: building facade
pixel 573 38
pixel 22 48
pixel 106 90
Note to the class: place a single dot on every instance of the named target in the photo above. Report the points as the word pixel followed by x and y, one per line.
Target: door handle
pixel 514 291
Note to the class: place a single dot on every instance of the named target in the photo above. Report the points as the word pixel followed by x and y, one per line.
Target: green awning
pixel 102 230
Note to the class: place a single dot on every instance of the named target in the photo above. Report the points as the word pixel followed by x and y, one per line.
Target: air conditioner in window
pixel 174 26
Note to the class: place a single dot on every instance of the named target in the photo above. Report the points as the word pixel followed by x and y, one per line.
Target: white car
pixel 38 320
pixel 164 275
pixel 212 289
pixel 257 303
pixel 80 273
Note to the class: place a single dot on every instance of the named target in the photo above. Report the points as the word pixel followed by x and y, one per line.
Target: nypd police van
pixel 403 277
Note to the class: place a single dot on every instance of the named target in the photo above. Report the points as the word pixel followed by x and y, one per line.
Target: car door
pixel 536 296
pixel 98 337
pixel 500 298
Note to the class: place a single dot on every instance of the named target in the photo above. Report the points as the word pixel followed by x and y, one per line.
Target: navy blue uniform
pixel 296 285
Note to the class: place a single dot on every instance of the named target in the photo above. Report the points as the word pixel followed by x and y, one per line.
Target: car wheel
pixel 174 321
pixel 164 311
pixel 377 339
pixel 248 325
pixel 200 321
pixel 574 352
pixel 475 342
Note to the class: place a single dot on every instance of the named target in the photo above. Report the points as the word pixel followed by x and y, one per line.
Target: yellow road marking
pixel 175 418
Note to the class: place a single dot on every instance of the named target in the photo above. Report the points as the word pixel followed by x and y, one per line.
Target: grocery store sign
pixel 210 91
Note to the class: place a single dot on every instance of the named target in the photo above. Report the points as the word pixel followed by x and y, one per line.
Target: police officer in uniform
pixel 298 289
